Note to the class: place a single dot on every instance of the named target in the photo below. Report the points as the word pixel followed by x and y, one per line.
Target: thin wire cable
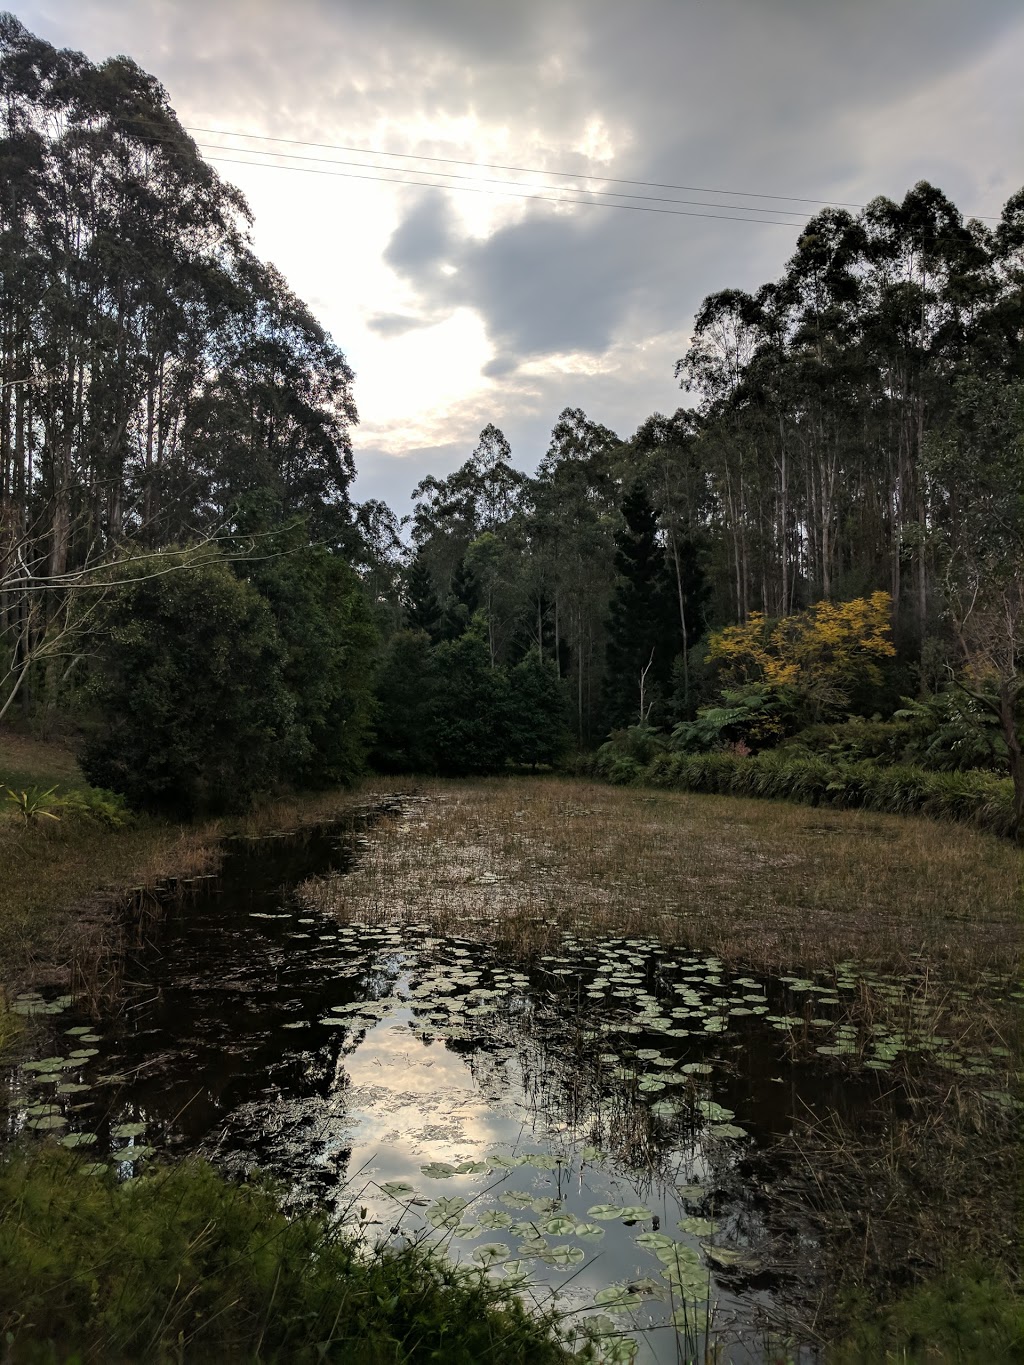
pixel 503 194
pixel 489 180
pixel 525 170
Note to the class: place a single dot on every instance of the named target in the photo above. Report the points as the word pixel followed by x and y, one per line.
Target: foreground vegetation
pixel 183 1265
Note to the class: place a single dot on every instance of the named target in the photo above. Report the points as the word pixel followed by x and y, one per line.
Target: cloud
pixel 461 307
pixel 395 324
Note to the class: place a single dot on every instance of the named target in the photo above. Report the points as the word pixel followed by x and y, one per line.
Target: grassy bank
pixel 183 1265
pixel 62 876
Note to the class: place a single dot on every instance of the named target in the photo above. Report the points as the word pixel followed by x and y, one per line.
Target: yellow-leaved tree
pixel 821 655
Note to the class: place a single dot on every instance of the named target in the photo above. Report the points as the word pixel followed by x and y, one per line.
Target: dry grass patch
pixel 768 884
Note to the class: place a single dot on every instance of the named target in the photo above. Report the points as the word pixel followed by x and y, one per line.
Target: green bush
pixel 960 1319
pixel 977 798
pixel 470 720
pixel 194 711
pixel 183 1265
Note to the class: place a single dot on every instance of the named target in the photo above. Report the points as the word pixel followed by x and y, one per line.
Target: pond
pixel 588 1123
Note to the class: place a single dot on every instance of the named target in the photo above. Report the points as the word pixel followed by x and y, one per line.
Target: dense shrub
pixel 189 682
pixel 470 719
pixel 182 1265
pixel 448 708
pixel 976 798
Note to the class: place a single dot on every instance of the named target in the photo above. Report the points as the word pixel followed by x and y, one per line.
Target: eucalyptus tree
pixel 574 516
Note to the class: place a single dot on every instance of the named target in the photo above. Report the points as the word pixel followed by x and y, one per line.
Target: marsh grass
pixel 184 1265
pixel 769 885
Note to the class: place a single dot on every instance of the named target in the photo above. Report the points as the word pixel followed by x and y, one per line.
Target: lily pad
pixel 634 1213
pixel 438 1170
pixel 78 1140
pixel 699 1227
pixel 563 1225
pixel 616 1298
pixel 495 1219
pixel 128 1130
pixel 654 1241
pixel 47 1122
pixel 140 1153
pixel 727 1258
pixel 562 1256
pixel 446 1212
pixel 397 1189
pixel 605 1212
pixel 516 1199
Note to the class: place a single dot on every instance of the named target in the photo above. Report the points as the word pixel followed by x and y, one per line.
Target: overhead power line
pixel 503 194
pixel 524 170
pixel 489 180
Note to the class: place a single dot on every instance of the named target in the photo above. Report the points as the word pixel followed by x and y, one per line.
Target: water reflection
pixel 562 1117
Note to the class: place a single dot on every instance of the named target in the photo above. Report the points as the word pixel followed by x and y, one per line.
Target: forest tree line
pixel 173 421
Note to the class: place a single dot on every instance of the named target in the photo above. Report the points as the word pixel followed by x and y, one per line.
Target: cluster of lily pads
pixel 51 1111
pixel 542 1233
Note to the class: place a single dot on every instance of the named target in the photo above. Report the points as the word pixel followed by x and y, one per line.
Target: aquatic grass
pixel 907 939
pixel 11 1024
pixel 772 886
pixel 182 1264
pixel 71 890
pixel 906 1196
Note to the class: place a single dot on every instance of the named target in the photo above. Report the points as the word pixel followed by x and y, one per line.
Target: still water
pixel 588 1124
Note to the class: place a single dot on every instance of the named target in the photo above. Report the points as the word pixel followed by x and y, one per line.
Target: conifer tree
pixel 643 630
pixel 421 609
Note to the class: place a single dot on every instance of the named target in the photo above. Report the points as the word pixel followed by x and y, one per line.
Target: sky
pixel 510 298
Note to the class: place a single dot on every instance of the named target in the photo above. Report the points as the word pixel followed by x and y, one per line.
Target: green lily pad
pixel 128 1130
pixel 562 1256
pixel 562 1225
pixel 397 1188
pixel 78 1140
pixel 727 1258
pixel 616 1298
pixel 47 1122
pixel 140 1153
pixel 446 1212
pixel 634 1213
pixel 699 1227
pixel 654 1241
pixel 605 1212
pixel 516 1199
pixel 495 1219
pixel 438 1170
